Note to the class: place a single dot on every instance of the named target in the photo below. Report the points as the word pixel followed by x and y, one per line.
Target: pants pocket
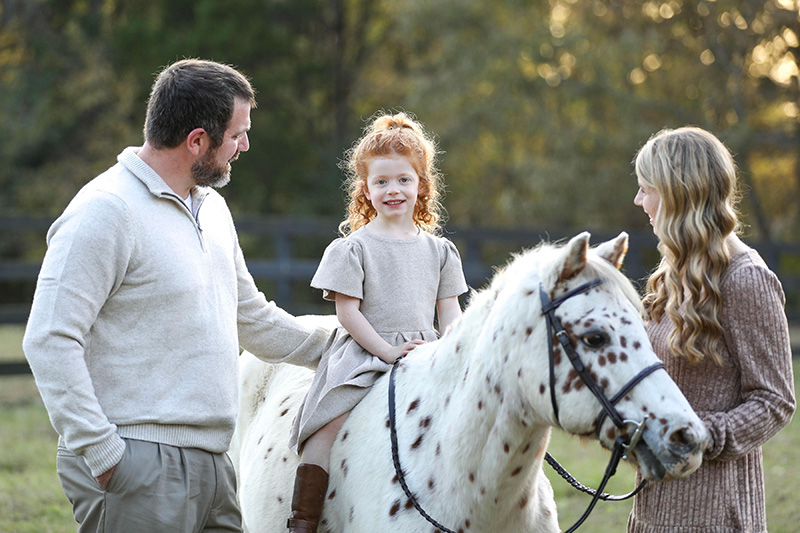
pixel 82 490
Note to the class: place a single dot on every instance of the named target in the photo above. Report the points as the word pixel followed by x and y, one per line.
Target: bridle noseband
pixel 621 444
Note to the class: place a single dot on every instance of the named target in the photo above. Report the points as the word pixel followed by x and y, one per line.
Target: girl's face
pixel 392 187
pixel 648 199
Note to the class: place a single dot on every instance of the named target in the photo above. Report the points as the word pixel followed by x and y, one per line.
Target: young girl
pixel 386 276
pixel 716 319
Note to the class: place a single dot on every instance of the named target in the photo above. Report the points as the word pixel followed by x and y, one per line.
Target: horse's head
pixel 600 376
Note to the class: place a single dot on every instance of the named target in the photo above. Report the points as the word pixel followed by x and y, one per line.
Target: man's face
pixel 214 168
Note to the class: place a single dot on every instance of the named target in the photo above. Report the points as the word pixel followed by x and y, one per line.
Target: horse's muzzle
pixel 669 452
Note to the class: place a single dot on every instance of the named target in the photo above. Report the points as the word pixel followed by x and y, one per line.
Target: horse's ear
pixel 575 260
pixel 614 250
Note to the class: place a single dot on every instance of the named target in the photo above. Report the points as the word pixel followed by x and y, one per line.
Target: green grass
pixel 31 499
pixel 11 343
pixel 586 461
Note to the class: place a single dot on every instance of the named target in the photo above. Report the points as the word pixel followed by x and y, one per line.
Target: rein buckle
pixel 636 437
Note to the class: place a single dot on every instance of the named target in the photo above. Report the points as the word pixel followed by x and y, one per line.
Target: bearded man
pixel 140 309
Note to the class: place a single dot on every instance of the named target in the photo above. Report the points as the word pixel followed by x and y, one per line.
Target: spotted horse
pixel 474 410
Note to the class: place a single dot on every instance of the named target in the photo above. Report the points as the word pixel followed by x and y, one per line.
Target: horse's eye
pixel 594 339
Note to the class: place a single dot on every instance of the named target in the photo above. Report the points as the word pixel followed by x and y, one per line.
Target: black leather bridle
pixel 555 329
pixel 622 443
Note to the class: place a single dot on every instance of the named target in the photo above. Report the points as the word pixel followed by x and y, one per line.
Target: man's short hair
pixel 194 93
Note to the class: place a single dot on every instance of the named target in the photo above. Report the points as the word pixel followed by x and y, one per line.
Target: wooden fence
pixel 282 256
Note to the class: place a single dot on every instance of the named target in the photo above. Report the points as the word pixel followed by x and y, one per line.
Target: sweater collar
pixel 150 178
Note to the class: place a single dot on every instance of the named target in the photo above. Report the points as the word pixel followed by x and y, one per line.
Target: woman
pixel 715 317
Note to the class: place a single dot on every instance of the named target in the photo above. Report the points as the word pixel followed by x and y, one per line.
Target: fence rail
pixel 283 256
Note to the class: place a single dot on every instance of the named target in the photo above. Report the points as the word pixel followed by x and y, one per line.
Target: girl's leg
pixel 311 480
pixel 317 449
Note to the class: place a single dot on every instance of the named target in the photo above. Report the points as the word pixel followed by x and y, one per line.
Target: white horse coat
pixel 473 410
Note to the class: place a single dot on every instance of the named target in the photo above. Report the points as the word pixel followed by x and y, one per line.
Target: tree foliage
pixel 539 106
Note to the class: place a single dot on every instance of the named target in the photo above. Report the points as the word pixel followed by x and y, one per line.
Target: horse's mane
pixel 539 261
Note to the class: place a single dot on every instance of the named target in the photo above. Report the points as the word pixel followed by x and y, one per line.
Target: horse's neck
pixel 490 434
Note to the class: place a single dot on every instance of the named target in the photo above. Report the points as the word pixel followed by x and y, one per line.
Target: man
pixel 141 305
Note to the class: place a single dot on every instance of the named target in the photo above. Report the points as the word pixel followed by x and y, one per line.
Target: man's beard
pixel 207 173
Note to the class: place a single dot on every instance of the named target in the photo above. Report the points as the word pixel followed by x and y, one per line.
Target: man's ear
pixel 197 141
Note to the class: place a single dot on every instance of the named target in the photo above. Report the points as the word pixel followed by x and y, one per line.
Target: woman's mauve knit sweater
pixel 743 402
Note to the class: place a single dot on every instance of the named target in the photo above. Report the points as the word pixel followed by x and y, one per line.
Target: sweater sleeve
pixel 89 247
pixel 272 334
pixel 757 337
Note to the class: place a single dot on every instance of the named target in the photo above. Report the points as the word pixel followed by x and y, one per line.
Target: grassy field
pixel 31 500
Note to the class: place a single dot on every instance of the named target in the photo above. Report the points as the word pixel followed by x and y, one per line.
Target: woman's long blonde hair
pixel 695 176
pixel 386 135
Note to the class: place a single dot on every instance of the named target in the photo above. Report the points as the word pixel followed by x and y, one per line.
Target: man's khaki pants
pixel 155 488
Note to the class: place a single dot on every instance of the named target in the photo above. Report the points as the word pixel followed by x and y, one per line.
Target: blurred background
pixel 538 106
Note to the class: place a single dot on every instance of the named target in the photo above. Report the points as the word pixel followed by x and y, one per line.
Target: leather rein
pixel 622 443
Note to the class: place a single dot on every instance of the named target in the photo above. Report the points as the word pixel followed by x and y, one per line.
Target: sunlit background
pixel 539 106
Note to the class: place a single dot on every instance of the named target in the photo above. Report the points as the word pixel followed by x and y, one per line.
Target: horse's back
pixel 265 466
pixel 363 490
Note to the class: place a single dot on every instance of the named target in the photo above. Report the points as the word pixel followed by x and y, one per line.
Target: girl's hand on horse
pixel 396 352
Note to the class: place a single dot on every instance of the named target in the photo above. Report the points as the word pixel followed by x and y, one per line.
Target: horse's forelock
pixel 598 267
pixel 546 259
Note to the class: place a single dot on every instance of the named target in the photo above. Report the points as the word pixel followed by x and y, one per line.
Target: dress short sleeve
pixel 451 280
pixel 341 270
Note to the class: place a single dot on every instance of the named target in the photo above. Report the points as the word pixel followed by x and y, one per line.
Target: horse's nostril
pixel 681 437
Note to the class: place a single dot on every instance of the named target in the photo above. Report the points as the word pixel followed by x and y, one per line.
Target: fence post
pixel 283 251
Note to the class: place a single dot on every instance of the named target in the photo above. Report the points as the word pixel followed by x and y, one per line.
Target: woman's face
pixel 648 199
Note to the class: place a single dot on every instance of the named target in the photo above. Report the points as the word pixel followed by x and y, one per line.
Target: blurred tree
pixel 77 75
pixel 64 109
pixel 302 57
pixel 732 66
pixel 539 104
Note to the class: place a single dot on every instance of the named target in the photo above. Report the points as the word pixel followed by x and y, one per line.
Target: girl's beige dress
pixel 398 282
